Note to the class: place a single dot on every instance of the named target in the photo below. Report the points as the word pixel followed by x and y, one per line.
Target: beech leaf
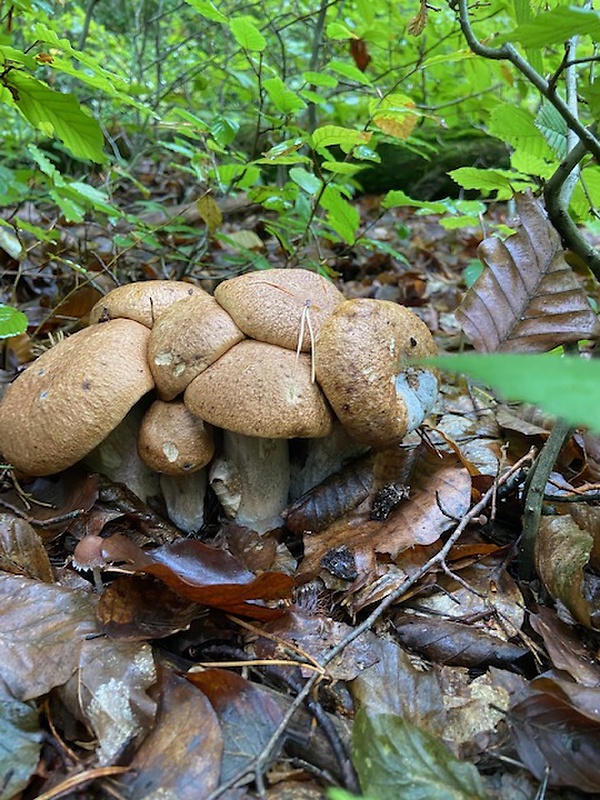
pixel 394 758
pixel 527 299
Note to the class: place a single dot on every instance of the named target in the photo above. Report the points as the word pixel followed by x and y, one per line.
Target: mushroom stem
pixel 184 497
pixel 251 478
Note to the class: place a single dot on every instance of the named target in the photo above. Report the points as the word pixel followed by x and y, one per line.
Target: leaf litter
pixel 384 642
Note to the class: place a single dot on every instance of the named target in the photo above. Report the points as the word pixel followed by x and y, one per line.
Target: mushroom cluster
pixel 273 355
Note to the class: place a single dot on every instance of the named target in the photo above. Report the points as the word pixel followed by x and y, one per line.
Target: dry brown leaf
pixel 22 551
pixel 181 757
pixel 528 298
pixel 566 651
pixel 562 549
pixel 556 740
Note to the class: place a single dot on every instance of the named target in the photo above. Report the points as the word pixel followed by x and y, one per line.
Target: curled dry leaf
pixel 565 649
pixel 527 299
pixel 562 549
pixel 22 551
pixel 203 574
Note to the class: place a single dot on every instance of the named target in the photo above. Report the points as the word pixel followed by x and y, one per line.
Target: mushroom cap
pixel 186 339
pixel 259 389
pixel 360 363
pixel 142 301
pixel 69 399
pixel 269 305
pixel 173 441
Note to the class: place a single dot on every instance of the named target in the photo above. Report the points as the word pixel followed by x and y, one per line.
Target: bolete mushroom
pixel 361 357
pixel 142 301
pixel 187 338
pixel 261 395
pixel 69 399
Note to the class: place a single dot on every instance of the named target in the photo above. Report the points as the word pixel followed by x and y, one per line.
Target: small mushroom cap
pixel 360 363
pixel 260 389
pixel 186 339
pixel 173 441
pixel 142 301
pixel 269 305
pixel 69 399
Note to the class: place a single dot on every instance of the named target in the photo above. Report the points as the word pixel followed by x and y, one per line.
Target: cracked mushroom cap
pixel 173 441
pixel 360 363
pixel 69 399
pixel 269 305
pixel 187 338
pixel 259 389
pixel 142 301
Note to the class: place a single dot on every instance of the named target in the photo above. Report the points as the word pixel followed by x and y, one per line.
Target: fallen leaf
pixel 528 298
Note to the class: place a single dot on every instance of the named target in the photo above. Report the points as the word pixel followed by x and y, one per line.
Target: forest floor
pixel 420 658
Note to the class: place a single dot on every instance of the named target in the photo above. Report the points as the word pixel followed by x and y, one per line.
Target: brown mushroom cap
pixel 260 389
pixel 173 441
pixel 268 305
pixel 186 339
pixel 360 354
pixel 142 301
pixel 73 396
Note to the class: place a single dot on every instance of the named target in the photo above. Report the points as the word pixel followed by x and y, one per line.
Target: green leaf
pixel 344 138
pixel 516 126
pixel 247 34
pixel 305 180
pixel 342 167
pixel 555 26
pixel 282 98
pixel 56 113
pixel 20 746
pixel 12 322
pixel 553 128
pixel 399 199
pixel 224 129
pixel 335 30
pixel 566 386
pixel 487 180
pixel 46 166
pixel 395 759
pixel 342 217
pixel 320 79
pixel 207 9
pixel 348 71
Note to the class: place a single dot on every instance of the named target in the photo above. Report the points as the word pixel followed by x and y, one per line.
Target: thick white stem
pixel 184 498
pixel 251 478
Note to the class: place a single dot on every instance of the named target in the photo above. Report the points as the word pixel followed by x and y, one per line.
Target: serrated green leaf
pixel 20 746
pixel 341 216
pixel 565 386
pixel 95 198
pixel 8 53
pixel 46 166
pixel 55 113
pixel 516 126
pixel 553 128
pixel 591 93
pixel 395 759
pixel 349 71
pixel 344 138
pixel 283 98
pixel 12 322
pixel 71 210
pixel 247 34
pixel 207 9
pixel 485 180
pixel 555 26
pixel 305 180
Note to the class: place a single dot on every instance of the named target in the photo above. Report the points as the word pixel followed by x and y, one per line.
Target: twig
pixel 534 493
pixel 262 760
